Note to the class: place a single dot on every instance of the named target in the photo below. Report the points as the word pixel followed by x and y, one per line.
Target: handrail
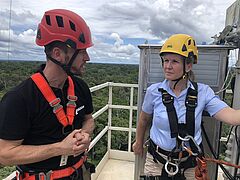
pixel 98 137
pixel 100 86
pixel 109 107
pixel 100 111
pixel 122 107
pixel 107 84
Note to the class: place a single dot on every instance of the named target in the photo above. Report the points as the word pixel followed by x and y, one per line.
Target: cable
pixel 226 79
pixel 236 137
pixel 238 151
pixel 226 172
pixel 229 134
pixel 9 28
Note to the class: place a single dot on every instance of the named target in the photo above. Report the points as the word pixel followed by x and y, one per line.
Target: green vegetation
pixel 5 171
pixel 12 73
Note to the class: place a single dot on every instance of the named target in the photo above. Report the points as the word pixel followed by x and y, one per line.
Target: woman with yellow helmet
pixel 175 108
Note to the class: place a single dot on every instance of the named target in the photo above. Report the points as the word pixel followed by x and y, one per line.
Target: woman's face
pixel 172 66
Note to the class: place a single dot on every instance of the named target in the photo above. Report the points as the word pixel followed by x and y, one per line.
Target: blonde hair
pixel 191 75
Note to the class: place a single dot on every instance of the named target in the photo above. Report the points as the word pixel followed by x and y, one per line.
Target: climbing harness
pixel 52 174
pixel 191 104
pixel 66 119
pixel 175 162
pixel 187 158
pixel 178 159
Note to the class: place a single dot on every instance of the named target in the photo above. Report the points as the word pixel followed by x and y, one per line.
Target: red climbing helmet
pixel 65 26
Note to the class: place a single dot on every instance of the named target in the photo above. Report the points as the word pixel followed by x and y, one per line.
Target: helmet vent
pixel 189 42
pixel 39 34
pixel 194 43
pixel 59 21
pixel 71 43
pixel 82 38
pixel 72 25
pixel 184 48
pixel 48 20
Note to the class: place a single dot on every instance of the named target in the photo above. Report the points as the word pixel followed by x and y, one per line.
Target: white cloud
pixel 27 36
pixel 119 46
pixel 114 24
pixel 115 52
pixel 118 40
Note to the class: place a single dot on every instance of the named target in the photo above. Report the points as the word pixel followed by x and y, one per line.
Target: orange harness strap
pixel 55 102
pixel 201 172
pixel 55 174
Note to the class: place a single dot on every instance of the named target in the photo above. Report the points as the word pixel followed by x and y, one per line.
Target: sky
pixel 117 26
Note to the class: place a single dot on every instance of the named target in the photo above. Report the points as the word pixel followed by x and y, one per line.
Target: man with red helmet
pixel 46 121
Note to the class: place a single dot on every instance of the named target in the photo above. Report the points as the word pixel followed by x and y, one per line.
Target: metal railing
pixel 111 106
pixel 117 154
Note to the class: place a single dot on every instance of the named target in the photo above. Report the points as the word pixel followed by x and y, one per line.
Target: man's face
pixel 78 66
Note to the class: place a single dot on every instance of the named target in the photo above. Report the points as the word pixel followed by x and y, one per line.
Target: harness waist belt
pixel 53 174
pixel 174 155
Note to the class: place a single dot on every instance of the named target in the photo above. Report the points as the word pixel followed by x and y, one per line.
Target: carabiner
pixel 173 173
pixel 188 150
pixel 188 138
pixel 146 143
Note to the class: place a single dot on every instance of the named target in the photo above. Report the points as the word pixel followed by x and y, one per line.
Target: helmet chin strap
pixel 66 67
pixel 177 80
pixel 182 77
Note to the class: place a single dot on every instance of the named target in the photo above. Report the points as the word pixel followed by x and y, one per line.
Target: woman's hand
pixel 138 148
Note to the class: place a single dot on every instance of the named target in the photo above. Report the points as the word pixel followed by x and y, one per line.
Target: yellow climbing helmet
pixel 181 44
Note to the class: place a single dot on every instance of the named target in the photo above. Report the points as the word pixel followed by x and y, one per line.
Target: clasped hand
pixel 76 143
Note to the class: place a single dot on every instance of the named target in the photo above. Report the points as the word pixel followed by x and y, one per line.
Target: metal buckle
pixel 42 174
pixel 49 174
pixel 166 98
pixel 72 98
pixel 147 143
pixel 71 104
pixel 56 108
pixel 191 101
pixel 171 173
pixel 157 148
pixel 71 101
pixel 45 176
pixel 55 102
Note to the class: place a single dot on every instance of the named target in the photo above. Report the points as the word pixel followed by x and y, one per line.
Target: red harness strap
pixel 54 174
pixel 201 172
pixel 54 102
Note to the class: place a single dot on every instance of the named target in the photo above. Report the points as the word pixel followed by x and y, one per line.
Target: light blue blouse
pixel 160 130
